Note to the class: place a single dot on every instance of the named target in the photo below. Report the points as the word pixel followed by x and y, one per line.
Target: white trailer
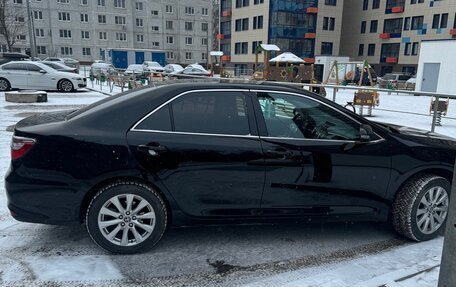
pixel 437 67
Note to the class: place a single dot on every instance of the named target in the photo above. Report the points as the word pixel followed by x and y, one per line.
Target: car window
pixel 293 116
pixel 32 67
pixel 404 77
pixel 211 112
pixel 389 77
pixel 159 121
pixel 15 66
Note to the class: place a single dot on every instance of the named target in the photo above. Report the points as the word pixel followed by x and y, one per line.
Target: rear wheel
pixel 4 84
pixel 126 217
pixel 421 207
pixel 65 86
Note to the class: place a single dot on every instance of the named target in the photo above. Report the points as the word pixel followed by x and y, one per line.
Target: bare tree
pixel 12 22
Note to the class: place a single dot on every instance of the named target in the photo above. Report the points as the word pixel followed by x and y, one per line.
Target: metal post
pixel 30 31
pixel 447 276
pixel 434 116
pixel 334 94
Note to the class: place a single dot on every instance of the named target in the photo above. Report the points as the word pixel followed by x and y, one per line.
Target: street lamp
pixel 207 41
pixel 30 30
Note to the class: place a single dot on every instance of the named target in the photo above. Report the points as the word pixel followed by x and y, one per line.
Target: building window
pixel 170 40
pixel 204 27
pixel 85 35
pixel 84 18
pixel 41 50
pixel 375 4
pixel 155 28
pixel 139 6
pixel 102 19
pixel 204 11
pixel 242 3
pixel 119 3
pixel 17 2
pixel 84 2
pixel 63 1
pixel 170 55
pixel 416 1
pixel 120 36
pixel 65 34
pixel 188 41
pixel 101 3
pixel 102 36
pixel 361 50
pixel 417 22
pixel 241 48
pixel 39 33
pixel 393 25
pixel 19 19
pixel 257 22
pixel 204 41
pixel 331 2
pixel 365 4
pixel 415 46
pixel 374 25
pixel 139 22
pixel 188 26
pixel 64 16
pixel 66 51
pixel 154 12
pixel 20 37
pixel 435 21
pixel 189 10
pixel 406 23
pixel 444 21
pixel 38 15
pixel 169 25
pixel 155 44
pixel 326 48
pixel 242 24
pixel 188 56
pixel 454 23
pixel 169 9
pixel 120 20
pixel 255 44
pixel 256 2
pixel 140 38
pixel 363 27
pixel 86 51
pixel 329 23
pixel 407 48
pixel 371 50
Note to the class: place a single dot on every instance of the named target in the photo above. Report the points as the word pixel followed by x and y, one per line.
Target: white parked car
pixel 172 68
pixel 37 76
pixel 97 68
pixel 66 61
pixel 150 66
pixel 134 69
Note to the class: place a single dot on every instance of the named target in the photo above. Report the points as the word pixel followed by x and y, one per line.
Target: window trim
pixel 135 129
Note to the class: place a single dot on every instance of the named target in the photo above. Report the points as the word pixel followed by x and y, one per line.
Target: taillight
pixel 20 146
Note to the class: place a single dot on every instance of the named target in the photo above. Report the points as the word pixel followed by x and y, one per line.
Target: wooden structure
pixel 214 55
pixel 442 110
pixel 349 76
pixel 266 49
pixel 369 99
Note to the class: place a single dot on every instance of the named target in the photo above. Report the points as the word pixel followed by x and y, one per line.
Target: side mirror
pixel 43 71
pixel 365 132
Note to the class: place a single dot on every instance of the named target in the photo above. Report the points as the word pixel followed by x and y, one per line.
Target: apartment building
pixel 305 28
pixel 82 29
pixel 388 33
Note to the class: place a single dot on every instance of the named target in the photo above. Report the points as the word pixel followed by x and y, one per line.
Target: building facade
pixel 388 33
pixel 82 29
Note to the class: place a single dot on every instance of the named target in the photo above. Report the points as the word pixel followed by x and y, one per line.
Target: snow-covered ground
pixel 343 254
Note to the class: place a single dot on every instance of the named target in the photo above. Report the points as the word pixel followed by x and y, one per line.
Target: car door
pixel 16 74
pixel 36 79
pixel 315 161
pixel 203 147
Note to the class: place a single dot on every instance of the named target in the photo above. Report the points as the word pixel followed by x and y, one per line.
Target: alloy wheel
pixel 432 210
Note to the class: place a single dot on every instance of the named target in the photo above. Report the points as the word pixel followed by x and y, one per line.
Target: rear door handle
pixel 152 150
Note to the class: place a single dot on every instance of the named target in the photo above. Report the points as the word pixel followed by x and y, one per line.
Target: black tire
pixel 407 202
pixel 4 85
pixel 65 86
pixel 121 188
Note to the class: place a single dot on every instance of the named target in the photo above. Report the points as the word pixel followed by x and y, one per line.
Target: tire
pixel 129 233
pixel 420 209
pixel 4 84
pixel 65 86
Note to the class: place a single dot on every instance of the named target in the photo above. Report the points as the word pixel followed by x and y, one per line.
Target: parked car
pixel 397 80
pixel 150 66
pixel 8 57
pixel 190 71
pixel 96 69
pixel 134 69
pixel 36 75
pixel 67 61
pixel 132 164
pixel 171 68
pixel 60 67
pixel 410 84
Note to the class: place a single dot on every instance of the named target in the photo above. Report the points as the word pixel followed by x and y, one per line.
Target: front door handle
pixel 152 150
pixel 279 153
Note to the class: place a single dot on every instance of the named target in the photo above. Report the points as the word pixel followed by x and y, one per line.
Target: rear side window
pixel 32 67
pixel 212 113
pixel 15 66
pixel 158 121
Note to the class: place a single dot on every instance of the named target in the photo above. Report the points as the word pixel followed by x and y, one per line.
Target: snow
pixel 35 254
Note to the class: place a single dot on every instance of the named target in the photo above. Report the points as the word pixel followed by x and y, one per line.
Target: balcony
pixel 226 58
pixel 385 36
pixel 453 32
pixel 309 60
pixel 391 60
pixel 312 10
pixel 220 36
pixel 226 13
pixel 310 35
pixel 397 9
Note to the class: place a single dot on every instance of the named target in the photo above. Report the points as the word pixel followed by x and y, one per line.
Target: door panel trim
pixel 196 134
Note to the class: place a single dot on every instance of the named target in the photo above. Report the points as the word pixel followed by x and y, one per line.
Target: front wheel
pixel 65 86
pixel 126 217
pixel 4 84
pixel 421 207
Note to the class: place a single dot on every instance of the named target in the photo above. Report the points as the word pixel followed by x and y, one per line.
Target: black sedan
pixel 132 164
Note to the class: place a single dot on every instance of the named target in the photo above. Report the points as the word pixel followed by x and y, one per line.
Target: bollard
pixel 447 276
pixel 434 116
pixel 334 94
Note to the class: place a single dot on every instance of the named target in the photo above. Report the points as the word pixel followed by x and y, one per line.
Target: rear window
pixel 404 78
pixel 389 77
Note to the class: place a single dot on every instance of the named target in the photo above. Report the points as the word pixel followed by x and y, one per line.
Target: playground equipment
pixel 442 110
pixel 352 72
pixel 362 98
pixel 213 58
pixel 266 49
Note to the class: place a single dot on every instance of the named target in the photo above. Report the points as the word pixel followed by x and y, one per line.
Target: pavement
pixel 293 254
